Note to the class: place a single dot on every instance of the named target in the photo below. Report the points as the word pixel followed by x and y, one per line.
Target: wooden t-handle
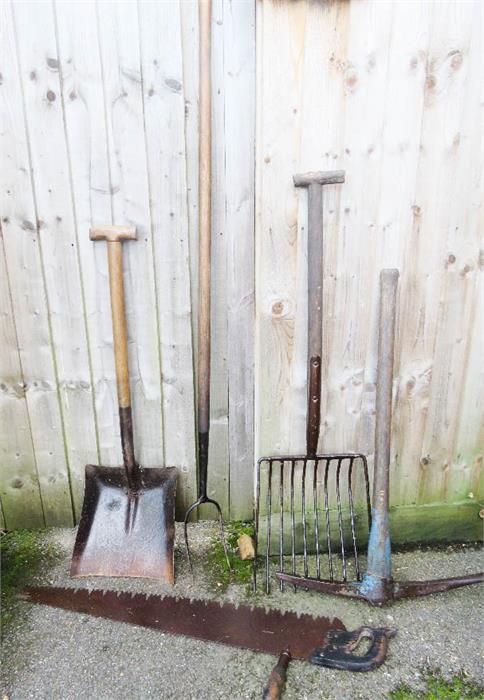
pixel 114 235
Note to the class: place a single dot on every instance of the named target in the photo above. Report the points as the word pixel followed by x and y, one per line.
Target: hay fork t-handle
pixel 315 181
pixel 114 237
pixel 204 269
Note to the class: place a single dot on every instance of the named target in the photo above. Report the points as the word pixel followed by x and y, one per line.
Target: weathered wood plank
pixel 448 473
pixel 218 461
pixel 278 382
pixel 364 74
pixel 23 251
pixel 190 48
pixel 164 121
pixel 239 125
pixel 19 487
pixel 427 251
pixel 42 83
pixel 120 58
pixel 83 102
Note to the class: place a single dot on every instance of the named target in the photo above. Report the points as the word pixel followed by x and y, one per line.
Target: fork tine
pixel 340 520
pixel 352 518
pixel 185 527
pixel 316 524
pixel 303 505
pixel 256 523
pixel 293 522
pixel 268 516
pixel 328 524
pixel 281 521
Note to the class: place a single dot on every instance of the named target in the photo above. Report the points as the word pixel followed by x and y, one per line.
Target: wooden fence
pixel 99 125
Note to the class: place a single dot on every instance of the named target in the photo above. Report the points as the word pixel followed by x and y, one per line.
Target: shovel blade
pixel 125 534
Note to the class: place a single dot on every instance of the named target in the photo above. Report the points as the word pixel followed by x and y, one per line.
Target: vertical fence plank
pixel 364 75
pixel 278 133
pixel 120 58
pixel 190 47
pixel 404 105
pixel 239 81
pixel 164 114
pixel 83 107
pixel 22 234
pixel 20 494
pixel 454 212
pixel 52 181
pixel 218 462
pixel 322 113
pixel 424 305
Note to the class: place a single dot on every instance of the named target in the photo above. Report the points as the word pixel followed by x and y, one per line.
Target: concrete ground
pixel 59 655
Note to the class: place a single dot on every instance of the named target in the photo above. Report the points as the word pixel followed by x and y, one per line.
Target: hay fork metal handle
pixel 314 181
pixel 338 650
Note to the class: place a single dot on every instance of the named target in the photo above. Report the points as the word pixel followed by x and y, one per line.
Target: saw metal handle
pixel 338 650
pixel 277 680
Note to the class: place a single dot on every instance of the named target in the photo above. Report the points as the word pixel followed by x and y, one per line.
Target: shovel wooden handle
pixel 118 311
pixel 114 237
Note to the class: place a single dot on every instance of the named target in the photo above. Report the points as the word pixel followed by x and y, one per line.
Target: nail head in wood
pixel 329 177
pixel 113 233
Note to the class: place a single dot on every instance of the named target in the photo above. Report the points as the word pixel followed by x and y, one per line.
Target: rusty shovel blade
pixel 126 533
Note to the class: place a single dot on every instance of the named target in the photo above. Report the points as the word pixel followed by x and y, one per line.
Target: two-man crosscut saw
pixel 319 640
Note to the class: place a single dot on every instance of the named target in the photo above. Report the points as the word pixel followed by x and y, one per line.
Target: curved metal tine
pixel 268 530
pixel 304 524
pixel 256 524
pixel 367 489
pixel 352 518
pixel 316 524
pixel 293 522
pixel 281 521
pixel 222 530
pixel 328 524
pixel 187 514
pixel 340 520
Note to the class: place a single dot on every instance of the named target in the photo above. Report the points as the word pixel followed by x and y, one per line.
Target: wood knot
pixel 456 60
pixel 277 308
pixel 351 78
pixel 51 96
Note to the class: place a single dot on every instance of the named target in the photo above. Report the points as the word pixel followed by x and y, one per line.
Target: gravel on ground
pixel 52 654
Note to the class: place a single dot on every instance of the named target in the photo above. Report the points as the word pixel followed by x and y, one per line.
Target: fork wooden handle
pixel 277 680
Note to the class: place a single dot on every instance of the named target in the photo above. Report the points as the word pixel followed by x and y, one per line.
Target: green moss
pixel 240 571
pixel 24 553
pixel 438 688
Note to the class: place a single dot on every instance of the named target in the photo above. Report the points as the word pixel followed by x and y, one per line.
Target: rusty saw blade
pixel 247 627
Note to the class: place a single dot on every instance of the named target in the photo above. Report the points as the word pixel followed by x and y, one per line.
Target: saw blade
pixel 243 626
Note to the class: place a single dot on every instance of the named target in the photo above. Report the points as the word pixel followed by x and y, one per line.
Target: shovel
pixel 127 524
